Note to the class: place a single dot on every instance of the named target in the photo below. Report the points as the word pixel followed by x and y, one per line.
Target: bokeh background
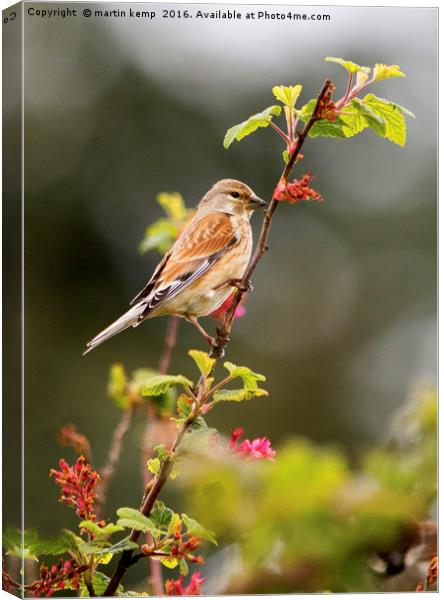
pixel 343 317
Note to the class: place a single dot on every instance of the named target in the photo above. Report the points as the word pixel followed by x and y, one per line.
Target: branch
pixel 146 508
pixel 223 332
pixel 164 363
pixel 218 351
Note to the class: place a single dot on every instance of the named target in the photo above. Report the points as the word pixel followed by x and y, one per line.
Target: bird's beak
pixel 256 202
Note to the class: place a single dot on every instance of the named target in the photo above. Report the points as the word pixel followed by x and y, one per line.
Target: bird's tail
pixel 131 317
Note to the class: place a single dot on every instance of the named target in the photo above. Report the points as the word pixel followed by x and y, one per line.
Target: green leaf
pixel 324 128
pixel 288 95
pixel 195 439
pixel 195 528
pixel 35 546
pixel 174 205
pixel 161 452
pixel 262 119
pixel 161 515
pixel 154 466
pixel 184 406
pixel 184 567
pixel 238 395
pixel 159 384
pixel 100 582
pixel 121 546
pixel 353 119
pixel 395 127
pixel 204 363
pixel 350 66
pixel 170 562
pixel 159 236
pixel 381 71
pixel 132 518
pixel 118 386
pixel 175 521
pixel 100 532
pixel 373 120
pixel 248 376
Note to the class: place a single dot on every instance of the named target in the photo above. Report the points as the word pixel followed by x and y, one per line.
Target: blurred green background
pixel 343 318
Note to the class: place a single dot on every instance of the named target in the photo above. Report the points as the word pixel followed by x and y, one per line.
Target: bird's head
pixel 233 197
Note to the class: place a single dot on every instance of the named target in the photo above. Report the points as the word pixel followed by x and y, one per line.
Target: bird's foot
pixel 241 285
pixel 210 339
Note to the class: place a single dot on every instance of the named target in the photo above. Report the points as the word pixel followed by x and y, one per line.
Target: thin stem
pixel 107 472
pixel 280 132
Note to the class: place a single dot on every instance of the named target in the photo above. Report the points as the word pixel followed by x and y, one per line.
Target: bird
pixel 202 268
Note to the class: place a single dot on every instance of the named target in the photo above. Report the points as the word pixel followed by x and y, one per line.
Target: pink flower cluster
pixel 220 312
pixel 174 587
pixel 257 449
pixel 296 191
pixel 77 485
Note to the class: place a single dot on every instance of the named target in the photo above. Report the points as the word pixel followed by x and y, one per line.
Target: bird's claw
pixel 242 286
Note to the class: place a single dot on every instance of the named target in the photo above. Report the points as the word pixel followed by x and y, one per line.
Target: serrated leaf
pixel 395 126
pixel 195 528
pixel 249 377
pixel 35 546
pixel 353 119
pixel 238 395
pixel 324 128
pixel 100 532
pixel 262 119
pixel 195 439
pixel 174 522
pixel 161 515
pixel 373 120
pixel 131 518
pixel 288 95
pixel 381 71
pixel 350 66
pixel 159 384
pixel 161 451
pixel 153 466
pixel 203 361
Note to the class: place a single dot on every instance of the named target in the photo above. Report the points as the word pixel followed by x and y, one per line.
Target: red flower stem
pixel 223 332
pixel 217 352
pixel 280 132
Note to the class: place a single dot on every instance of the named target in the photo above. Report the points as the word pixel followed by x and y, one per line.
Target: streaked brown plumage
pixel 197 273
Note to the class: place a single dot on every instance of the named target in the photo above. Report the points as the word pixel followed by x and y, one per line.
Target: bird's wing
pixel 202 243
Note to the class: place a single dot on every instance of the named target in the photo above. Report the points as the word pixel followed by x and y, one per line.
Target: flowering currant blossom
pixel 175 587
pixel 257 449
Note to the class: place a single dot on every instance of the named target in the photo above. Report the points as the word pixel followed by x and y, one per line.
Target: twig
pixel 217 352
pixel 223 332
pixel 107 472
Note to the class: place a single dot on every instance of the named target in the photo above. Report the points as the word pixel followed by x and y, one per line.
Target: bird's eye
pixel 235 194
